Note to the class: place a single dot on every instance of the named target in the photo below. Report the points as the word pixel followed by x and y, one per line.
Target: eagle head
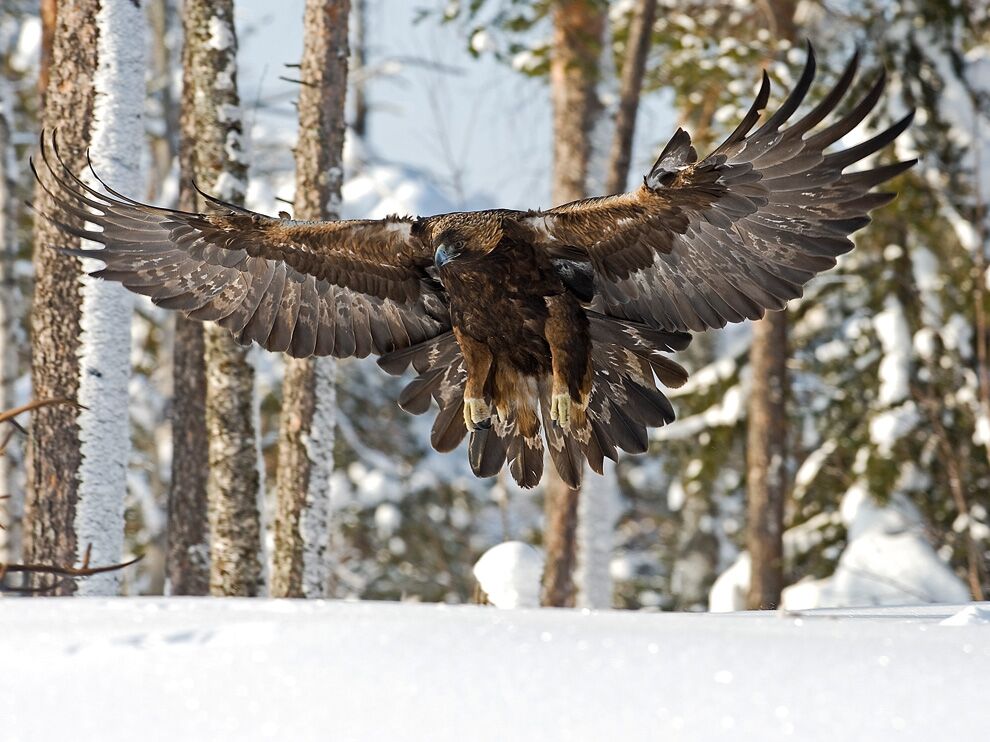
pixel 464 236
pixel 449 247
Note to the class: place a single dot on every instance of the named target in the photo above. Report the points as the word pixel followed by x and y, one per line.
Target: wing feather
pixel 703 243
pixel 327 288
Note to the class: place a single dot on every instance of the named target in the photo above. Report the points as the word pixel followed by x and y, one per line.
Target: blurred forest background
pixel 837 453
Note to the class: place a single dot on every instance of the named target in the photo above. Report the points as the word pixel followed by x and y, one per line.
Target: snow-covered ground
pixel 206 669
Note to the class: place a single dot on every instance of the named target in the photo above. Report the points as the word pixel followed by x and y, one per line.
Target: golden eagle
pixel 518 322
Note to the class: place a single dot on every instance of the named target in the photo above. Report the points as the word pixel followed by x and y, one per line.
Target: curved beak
pixel 442 256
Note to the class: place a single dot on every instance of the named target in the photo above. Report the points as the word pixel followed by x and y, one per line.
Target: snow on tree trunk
pixel 10 491
pixel 219 166
pixel 104 356
pixel 597 510
pixel 576 40
pixel 306 433
pixel 54 451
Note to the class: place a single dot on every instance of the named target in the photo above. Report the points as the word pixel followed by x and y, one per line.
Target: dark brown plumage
pixel 521 326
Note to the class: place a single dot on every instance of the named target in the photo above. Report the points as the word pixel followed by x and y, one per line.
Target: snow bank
pixel 193 668
pixel 887 561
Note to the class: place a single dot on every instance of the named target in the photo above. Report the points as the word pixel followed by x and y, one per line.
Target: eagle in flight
pixel 522 326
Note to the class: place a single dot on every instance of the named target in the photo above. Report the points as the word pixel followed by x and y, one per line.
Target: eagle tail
pixel 441 378
pixel 627 359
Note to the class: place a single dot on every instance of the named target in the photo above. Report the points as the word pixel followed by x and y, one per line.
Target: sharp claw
pixel 560 410
pixel 477 413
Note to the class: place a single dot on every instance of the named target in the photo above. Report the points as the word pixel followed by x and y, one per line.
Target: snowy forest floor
pixel 195 668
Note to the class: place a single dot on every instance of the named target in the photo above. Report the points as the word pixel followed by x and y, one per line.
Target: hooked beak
pixel 442 256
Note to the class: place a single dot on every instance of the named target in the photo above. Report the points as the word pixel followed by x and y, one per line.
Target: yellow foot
pixel 477 413
pixel 567 413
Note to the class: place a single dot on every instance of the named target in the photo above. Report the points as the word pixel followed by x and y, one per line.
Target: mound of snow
pixel 886 562
pixel 510 573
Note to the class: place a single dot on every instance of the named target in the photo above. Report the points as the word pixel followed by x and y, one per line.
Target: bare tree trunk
pixel 188 552
pixel 359 83
pixel 766 457
pixel 302 525
pixel 164 143
pixel 578 26
pixel 54 454
pixel 638 46
pixel 577 33
pixel 766 435
pixel 212 136
pixel 11 496
pixel 49 13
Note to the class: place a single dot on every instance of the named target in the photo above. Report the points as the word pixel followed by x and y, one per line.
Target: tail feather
pixel 565 451
pixel 486 452
pixel 628 359
pixel 526 460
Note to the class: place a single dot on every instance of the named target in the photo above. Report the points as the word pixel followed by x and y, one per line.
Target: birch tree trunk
pixel 305 461
pixel 212 134
pixel 577 34
pixel 105 362
pixel 11 499
pixel 54 450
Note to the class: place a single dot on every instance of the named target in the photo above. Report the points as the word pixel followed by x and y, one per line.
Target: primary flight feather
pixel 528 329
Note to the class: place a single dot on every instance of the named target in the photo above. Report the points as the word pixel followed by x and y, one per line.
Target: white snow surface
pixel 105 347
pixel 221 669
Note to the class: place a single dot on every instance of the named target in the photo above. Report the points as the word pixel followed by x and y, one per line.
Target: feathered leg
pixel 570 350
pixel 478 364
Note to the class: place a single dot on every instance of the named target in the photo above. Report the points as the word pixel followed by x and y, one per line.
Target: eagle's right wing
pixel 341 288
pixel 723 239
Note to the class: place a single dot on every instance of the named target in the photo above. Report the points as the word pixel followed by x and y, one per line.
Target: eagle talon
pixel 560 410
pixel 477 413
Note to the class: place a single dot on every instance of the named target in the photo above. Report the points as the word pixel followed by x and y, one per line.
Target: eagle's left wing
pixel 341 288
pixel 700 244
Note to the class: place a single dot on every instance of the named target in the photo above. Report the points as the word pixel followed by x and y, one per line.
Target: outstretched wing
pixel 700 244
pixel 341 288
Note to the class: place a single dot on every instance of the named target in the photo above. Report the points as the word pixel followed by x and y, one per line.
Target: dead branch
pixel 84 570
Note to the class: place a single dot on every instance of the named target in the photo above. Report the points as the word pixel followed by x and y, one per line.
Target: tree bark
pixel 638 46
pixel 766 435
pixel 577 32
pixel 188 550
pixel 302 526
pixel 211 118
pixel 359 84
pixel 11 496
pixel 54 453
pixel 578 26
pixel 766 461
pixel 187 557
